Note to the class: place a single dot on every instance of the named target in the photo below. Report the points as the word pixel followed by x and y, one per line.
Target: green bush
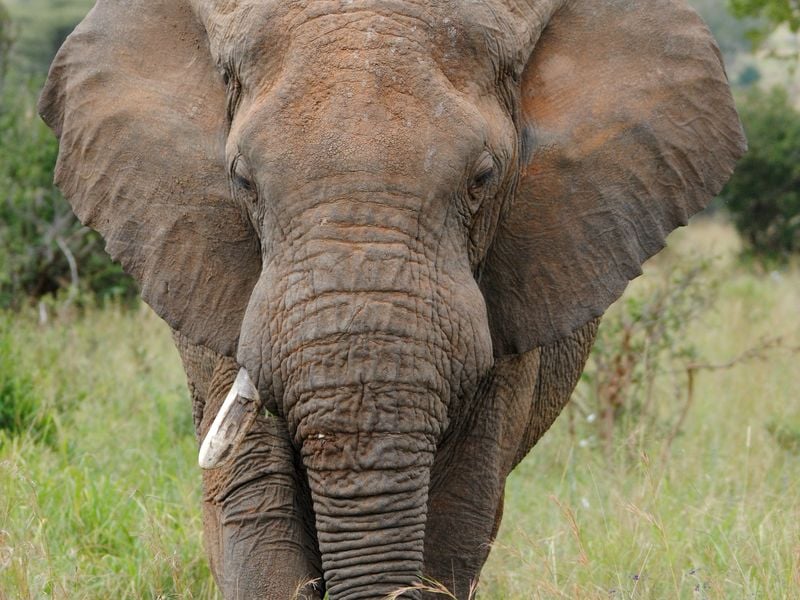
pixel 43 248
pixel 786 434
pixel 6 39
pixel 763 196
pixel 643 346
pixel 776 12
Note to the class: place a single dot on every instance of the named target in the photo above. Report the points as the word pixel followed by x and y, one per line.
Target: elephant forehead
pixel 465 39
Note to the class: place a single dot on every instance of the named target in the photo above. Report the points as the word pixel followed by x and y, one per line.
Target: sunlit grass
pixel 108 506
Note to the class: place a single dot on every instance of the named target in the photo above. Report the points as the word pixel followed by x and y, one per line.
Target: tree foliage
pixel 731 33
pixel 43 247
pixel 777 12
pixel 6 39
pixel 764 194
pixel 771 14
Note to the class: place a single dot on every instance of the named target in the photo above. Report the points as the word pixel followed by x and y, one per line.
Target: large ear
pixel 140 111
pixel 629 129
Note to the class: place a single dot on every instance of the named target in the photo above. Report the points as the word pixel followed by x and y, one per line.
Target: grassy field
pixel 99 492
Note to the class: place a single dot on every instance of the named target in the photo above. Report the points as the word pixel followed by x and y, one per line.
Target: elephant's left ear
pixel 140 111
pixel 629 130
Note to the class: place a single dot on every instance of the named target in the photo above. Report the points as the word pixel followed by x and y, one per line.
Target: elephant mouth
pixel 234 419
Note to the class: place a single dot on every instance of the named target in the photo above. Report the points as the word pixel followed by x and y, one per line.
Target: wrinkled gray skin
pixel 404 220
pixel 263 495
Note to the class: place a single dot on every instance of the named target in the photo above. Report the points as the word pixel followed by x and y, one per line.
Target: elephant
pixel 383 233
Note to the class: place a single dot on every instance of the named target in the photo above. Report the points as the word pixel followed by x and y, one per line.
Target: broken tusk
pixel 232 422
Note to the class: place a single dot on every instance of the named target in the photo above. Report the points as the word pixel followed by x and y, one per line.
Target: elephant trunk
pixel 367 401
pixel 367 412
pixel 351 337
pixel 370 494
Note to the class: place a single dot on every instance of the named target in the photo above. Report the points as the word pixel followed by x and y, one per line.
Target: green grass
pixel 110 509
pixel 106 505
pixel 719 516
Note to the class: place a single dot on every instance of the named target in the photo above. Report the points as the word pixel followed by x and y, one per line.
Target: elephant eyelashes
pixel 482 182
pixel 242 180
pixel 233 92
pixel 484 175
pixel 244 183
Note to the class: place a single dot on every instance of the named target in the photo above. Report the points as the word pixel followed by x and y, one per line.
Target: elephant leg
pixel 559 369
pixel 257 518
pixel 257 513
pixel 517 407
pixel 464 510
pixel 468 479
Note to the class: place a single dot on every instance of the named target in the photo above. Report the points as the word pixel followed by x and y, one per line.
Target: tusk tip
pixel 234 418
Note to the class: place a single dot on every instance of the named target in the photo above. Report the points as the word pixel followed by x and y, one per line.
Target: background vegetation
pixel 43 248
pixel 674 473
pixel 687 498
pixel 768 216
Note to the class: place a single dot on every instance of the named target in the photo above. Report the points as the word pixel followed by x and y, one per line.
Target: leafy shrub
pixel 43 248
pixel 750 75
pixel 786 434
pixel 643 345
pixel 763 196
pixel 776 12
pixel 5 40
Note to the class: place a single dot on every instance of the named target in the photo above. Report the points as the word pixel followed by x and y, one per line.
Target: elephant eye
pixel 244 183
pixel 484 175
pixel 240 174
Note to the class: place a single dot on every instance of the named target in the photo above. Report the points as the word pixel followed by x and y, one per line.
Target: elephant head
pixel 367 202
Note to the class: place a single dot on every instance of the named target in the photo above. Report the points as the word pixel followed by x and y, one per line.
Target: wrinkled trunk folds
pixel 365 400
pixel 370 493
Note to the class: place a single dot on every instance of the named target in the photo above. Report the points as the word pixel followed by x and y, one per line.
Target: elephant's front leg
pixel 258 526
pixel 517 406
pixel 468 479
pixel 464 510
pixel 257 516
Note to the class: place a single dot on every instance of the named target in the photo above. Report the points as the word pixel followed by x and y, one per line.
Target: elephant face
pixel 374 176
pixel 366 202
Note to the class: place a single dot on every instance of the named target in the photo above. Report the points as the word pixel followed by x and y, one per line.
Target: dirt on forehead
pixel 462 38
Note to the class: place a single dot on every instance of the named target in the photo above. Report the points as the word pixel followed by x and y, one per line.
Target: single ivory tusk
pixel 237 414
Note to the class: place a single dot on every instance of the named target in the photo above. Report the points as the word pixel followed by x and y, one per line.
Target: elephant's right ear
pixel 140 112
pixel 629 129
